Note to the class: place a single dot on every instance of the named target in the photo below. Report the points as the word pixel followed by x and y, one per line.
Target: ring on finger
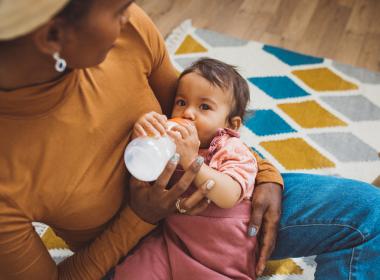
pixel 178 206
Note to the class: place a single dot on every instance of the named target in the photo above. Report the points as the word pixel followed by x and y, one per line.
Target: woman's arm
pixel 24 256
pixel 267 173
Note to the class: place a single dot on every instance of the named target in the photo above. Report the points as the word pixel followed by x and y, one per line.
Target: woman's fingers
pixel 163 180
pixel 192 201
pixel 198 201
pixel 137 184
pixel 256 219
pixel 183 184
pixel 265 218
pixel 267 242
pixel 200 207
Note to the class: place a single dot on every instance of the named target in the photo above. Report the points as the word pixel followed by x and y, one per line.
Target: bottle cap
pixel 175 121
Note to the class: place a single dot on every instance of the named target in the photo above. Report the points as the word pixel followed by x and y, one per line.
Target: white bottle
pixel 146 157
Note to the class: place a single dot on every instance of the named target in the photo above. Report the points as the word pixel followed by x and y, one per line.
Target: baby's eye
pixel 204 107
pixel 180 102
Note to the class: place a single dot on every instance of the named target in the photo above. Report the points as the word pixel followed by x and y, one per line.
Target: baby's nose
pixel 189 114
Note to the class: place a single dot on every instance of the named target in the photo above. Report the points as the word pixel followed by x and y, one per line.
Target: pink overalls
pixel 212 245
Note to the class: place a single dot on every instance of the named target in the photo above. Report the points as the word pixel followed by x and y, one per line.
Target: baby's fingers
pixel 181 130
pixel 139 130
pixel 160 123
pixel 175 135
pixel 150 127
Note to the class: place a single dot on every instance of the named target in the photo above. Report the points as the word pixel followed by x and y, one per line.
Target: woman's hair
pixel 75 10
pixel 226 77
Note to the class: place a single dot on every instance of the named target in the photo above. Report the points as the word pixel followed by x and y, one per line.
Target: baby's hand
pixel 150 124
pixel 186 139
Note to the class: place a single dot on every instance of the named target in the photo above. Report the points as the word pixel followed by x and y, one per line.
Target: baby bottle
pixel 146 157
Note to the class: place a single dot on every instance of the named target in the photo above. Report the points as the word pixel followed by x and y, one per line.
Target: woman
pixel 64 131
pixel 62 136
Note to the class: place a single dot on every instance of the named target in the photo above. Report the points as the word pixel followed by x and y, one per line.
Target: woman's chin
pixel 103 56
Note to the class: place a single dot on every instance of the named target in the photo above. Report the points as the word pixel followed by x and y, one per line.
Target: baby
pixel 211 98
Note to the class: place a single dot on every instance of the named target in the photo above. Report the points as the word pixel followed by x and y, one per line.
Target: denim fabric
pixel 334 218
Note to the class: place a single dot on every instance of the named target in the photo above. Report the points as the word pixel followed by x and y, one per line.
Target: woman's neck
pixel 22 65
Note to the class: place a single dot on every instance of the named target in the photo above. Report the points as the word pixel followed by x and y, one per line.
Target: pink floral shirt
pixel 228 154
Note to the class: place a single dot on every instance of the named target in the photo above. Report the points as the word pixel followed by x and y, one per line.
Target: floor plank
pixel 344 30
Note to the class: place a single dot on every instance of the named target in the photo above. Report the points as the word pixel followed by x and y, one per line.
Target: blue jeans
pixel 336 219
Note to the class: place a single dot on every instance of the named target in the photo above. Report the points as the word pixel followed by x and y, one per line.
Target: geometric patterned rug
pixel 308 114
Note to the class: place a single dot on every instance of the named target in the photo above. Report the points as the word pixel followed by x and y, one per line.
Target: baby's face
pixel 206 105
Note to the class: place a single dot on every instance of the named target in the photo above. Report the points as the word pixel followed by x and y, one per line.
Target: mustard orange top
pixel 61 163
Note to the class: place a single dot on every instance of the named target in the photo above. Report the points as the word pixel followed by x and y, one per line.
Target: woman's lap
pixel 334 218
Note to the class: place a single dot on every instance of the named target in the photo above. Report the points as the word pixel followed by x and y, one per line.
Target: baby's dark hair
pixel 226 77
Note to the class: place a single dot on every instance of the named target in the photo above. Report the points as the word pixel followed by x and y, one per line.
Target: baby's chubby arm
pixel 150 124
pixel 225 191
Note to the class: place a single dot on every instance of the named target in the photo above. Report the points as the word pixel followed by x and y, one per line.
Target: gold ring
pixel 180 210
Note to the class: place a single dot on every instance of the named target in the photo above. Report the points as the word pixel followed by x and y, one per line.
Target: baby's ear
pixel 235 122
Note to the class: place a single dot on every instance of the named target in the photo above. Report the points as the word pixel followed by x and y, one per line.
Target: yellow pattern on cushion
pixel 52 241
pixel 282 267
pixel 309 114
pixel 190 45
pixel 296 153
pixel 323 79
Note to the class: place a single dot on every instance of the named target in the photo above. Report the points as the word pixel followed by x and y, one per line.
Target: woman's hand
pixel 155 202
pixel 266 214
pixel 185 136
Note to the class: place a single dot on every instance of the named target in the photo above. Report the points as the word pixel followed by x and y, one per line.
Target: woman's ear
pixel 48 38
pixel 235 122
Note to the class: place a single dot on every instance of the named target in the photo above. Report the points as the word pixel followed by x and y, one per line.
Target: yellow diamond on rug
pixel 296 153
pixel 190 45
pixel 309 114
pixel 282 267
pixel 323 79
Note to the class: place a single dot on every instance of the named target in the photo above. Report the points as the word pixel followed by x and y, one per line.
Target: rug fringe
pixel 175 38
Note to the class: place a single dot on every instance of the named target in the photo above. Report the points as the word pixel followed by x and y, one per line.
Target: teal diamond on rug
pixel 267 122
pixel 292 58
pixel 278 87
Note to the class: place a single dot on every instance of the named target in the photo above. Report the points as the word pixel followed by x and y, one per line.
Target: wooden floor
pixel 344 30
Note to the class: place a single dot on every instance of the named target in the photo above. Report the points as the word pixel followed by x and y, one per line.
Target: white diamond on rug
pixel 355 107
pixel 215 39
pixel 342 145
pixel 363 75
